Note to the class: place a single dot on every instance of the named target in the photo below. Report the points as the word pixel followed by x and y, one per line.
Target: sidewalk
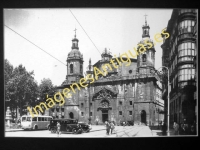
pixel 158 132
pixel 97 128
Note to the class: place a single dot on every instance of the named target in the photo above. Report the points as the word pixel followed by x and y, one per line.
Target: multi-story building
pixel 179 51
pixel 125 92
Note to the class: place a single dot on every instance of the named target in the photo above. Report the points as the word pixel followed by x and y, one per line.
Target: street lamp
pixel 155 71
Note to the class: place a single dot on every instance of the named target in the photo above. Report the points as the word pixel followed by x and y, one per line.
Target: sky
pixel 52 30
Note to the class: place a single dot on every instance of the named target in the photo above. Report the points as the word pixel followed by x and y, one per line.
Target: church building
pixel 124 93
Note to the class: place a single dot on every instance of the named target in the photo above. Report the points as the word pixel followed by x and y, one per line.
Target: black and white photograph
pixel 100 72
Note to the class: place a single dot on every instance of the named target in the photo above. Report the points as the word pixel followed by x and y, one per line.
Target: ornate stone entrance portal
pixel 103 98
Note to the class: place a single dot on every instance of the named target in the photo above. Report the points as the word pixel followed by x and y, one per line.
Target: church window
pixel 71 68
pixel 120 102
pixel 130 113
pixel 130 71
pixel 81 105
pixel 131 103
pixel 144 57
pixel 82 113
pixel 90 113
pixel 90 104
pixel 145 31
pixel 120 113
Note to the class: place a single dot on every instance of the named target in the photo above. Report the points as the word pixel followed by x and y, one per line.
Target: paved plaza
pixel 97 131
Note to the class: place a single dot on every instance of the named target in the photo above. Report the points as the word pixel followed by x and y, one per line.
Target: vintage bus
pixel 38 122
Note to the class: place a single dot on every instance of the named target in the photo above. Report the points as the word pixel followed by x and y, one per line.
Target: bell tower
pixel 146 51
pixel 74 62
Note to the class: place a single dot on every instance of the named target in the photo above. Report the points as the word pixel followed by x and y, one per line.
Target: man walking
pixel 176 128
pixel 112 126
pixel 107 127
pixel 58 128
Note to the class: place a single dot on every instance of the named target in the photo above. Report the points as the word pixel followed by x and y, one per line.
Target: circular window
pixel 130 71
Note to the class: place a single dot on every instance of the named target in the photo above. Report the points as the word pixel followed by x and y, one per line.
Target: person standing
pixel 107 127
pixel 112 126
pixel 58 128
pixel 176 128
pixel 164 128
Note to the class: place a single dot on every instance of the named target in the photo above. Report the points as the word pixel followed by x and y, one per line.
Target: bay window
pixel 186 26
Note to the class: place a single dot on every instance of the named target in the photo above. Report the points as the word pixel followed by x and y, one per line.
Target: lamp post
pixel 167 95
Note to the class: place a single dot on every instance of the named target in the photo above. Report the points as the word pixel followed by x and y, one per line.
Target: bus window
pixel 39 119
pixel 45 119
pixel 42 118
pixel 29 119
pixel 23 119
pixel 34 119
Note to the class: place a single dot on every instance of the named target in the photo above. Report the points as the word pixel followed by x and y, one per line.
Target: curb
pixel 13 130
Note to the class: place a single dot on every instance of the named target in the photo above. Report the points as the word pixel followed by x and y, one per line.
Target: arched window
pixel 144 57
pixel 145 31
pixel 71 68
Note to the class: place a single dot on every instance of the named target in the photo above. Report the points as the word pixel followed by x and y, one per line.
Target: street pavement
pixel 97 131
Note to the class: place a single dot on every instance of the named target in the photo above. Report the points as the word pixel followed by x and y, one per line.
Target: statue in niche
pixel 140 92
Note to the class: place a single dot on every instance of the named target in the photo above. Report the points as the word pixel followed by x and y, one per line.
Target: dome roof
pixel 75 54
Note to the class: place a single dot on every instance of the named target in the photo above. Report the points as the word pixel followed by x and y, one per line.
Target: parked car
pixel 67 125
pixel 127 123
pixel 86 127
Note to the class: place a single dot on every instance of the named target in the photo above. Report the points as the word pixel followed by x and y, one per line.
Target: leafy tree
pixel 21 88
pixel 8 73
pixel 46 87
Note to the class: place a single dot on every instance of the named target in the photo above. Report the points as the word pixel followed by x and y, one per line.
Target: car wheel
pixel 85 130
pixel 36 127
pixel 74 131
pixel 52 131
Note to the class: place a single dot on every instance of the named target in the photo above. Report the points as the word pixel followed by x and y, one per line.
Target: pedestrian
pixel 112 126
pixel 176 128
pixel 97 121
pixel 164 128
pixel 192 130
pixel 58 128
pixel 90 126
pixel 185 128
pixel 181 129
pixel 107 127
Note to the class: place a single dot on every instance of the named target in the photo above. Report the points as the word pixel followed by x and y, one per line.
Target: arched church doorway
pixel 71 115
pixel 143 116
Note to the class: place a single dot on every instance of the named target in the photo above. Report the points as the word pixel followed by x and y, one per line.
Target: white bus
pixel 39 122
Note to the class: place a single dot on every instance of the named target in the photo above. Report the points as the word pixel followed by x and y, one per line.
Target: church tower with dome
pixel 74 63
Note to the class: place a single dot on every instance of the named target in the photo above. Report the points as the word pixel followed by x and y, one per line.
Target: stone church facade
pixel 125 93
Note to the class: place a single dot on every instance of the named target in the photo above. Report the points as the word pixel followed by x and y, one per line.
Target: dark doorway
pixel 71 115
pixel 143 116
pixel 104 115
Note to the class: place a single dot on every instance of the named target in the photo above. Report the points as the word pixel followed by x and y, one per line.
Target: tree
pixel 21 87
pixel 8 73
pixel 46 87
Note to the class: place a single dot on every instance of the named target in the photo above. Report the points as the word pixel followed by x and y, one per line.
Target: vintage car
pixel 67 125
pixel 85 127
pixel 127 123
